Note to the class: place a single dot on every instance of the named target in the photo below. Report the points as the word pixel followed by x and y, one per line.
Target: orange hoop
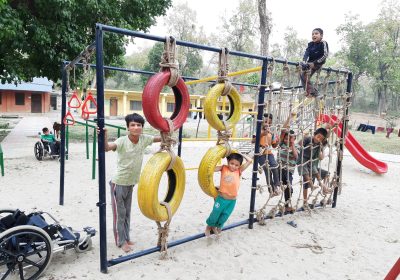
pixel 85 109
pixel 74 97
pixel 65 120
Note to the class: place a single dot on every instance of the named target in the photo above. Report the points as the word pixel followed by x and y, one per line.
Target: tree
pixel 37 35
pixel 265 26
pixel 182 24
pixel 373 50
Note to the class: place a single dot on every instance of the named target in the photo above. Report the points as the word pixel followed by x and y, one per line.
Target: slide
pixel 358 152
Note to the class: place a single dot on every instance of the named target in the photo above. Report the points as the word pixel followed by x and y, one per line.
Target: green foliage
pixel 37 35
pixel 373 50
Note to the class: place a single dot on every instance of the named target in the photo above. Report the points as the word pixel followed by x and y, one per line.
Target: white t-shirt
pixel 130 159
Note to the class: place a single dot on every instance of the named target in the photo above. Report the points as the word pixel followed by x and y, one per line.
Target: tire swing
pixel 223 148
pixel 164 160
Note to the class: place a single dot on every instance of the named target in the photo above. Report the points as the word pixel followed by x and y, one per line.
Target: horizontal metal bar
pixel 142 35
pixel 178 42
pixel 113 262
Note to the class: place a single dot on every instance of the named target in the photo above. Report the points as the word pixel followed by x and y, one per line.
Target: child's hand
pixel 311 65
pixel 98 130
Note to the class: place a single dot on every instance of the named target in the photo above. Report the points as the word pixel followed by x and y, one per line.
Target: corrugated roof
pixel 38 84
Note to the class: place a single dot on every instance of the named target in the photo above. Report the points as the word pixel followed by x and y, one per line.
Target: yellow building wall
pixel 125 97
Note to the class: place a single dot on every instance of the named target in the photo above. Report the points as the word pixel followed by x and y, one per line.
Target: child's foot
pixel 326 190
pixel 207 232
pixel 276 192
pixel 289 209
pixel 130 243
pixel 217 230
pixel 126 248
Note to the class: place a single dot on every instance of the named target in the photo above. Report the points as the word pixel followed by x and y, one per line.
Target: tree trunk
pixel 265 26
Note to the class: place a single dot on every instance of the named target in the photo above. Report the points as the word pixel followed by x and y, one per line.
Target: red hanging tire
pixel 151 96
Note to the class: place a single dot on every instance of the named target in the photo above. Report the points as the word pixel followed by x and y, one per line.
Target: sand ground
pixel 359 239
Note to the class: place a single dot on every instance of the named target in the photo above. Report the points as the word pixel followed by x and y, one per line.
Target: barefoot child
pixel 229 186
pixel 130 150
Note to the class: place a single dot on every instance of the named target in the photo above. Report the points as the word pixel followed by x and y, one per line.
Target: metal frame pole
pixel 101 152
pixel 62 144
pixel 260 112
pixel 343 137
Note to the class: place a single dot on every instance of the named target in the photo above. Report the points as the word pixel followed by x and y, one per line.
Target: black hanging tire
pixel 25 251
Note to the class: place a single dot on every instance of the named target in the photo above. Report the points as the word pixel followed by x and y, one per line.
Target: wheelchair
pixel 42 150
pixel 27 243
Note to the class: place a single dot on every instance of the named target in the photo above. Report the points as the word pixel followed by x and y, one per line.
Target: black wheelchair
pixel 27 243
pixel 43 150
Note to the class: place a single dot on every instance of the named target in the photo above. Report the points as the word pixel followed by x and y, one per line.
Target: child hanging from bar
pixel 228 190
pixel 314 57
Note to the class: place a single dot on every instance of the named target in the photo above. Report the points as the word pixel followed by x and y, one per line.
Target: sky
pixel 303 16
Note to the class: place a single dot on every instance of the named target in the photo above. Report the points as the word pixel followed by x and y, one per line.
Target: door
pixel 113 107
pixel 36 103
pixel 53 102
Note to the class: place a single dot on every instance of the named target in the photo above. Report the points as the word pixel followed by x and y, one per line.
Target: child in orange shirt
pixel 228 190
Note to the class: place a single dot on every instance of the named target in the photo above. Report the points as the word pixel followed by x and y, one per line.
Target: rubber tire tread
pixel 207 166
pixel 150 101
pixel 210 105
pixel 149 183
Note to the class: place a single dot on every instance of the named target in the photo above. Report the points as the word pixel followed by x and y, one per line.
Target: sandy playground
pixel 360 239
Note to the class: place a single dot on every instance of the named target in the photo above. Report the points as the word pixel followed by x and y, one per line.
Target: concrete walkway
pixel 21 140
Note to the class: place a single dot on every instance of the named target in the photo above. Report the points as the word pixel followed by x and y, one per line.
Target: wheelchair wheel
pixel 25 252
pixel 5 211
pixel 39 150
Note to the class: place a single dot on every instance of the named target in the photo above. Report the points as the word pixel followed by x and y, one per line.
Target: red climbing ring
pixel 68 119
pixel 150 99
pixel 75 98
pixel 85 109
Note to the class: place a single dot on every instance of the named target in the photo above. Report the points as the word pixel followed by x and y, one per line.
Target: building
pixel 33 97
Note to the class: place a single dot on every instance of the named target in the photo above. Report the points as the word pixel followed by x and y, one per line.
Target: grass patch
pixel 378 142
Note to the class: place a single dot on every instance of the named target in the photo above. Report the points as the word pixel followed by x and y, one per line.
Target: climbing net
pixel 299 117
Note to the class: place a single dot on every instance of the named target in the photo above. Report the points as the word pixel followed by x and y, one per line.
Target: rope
pixel 223 137
pixel 163 231
pixel 168 60
pixel 167 143
pixel 223 69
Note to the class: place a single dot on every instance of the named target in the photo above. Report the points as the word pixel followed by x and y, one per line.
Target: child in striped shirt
pixel 287 158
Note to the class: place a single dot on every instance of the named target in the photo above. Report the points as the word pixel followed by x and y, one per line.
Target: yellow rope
pixel 237 73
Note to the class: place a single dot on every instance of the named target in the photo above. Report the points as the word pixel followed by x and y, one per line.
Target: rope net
pixel 296 118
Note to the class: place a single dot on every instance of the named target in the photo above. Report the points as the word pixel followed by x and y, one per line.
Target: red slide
pixel 355 148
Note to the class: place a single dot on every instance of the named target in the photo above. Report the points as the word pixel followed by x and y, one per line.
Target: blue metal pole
pixel 101 152
pixel 62 144
pixel 343 136
pixel 170 244
pixel 260 112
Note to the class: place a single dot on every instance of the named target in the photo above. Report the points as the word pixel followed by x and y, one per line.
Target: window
pixel 19 98
pixel 135 105
pixel 170 107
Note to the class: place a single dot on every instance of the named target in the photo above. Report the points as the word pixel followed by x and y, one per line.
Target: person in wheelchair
pixel 46 137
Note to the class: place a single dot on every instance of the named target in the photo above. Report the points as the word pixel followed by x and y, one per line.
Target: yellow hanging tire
pixel 210 106
pixel 207 166
pixel 149 183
